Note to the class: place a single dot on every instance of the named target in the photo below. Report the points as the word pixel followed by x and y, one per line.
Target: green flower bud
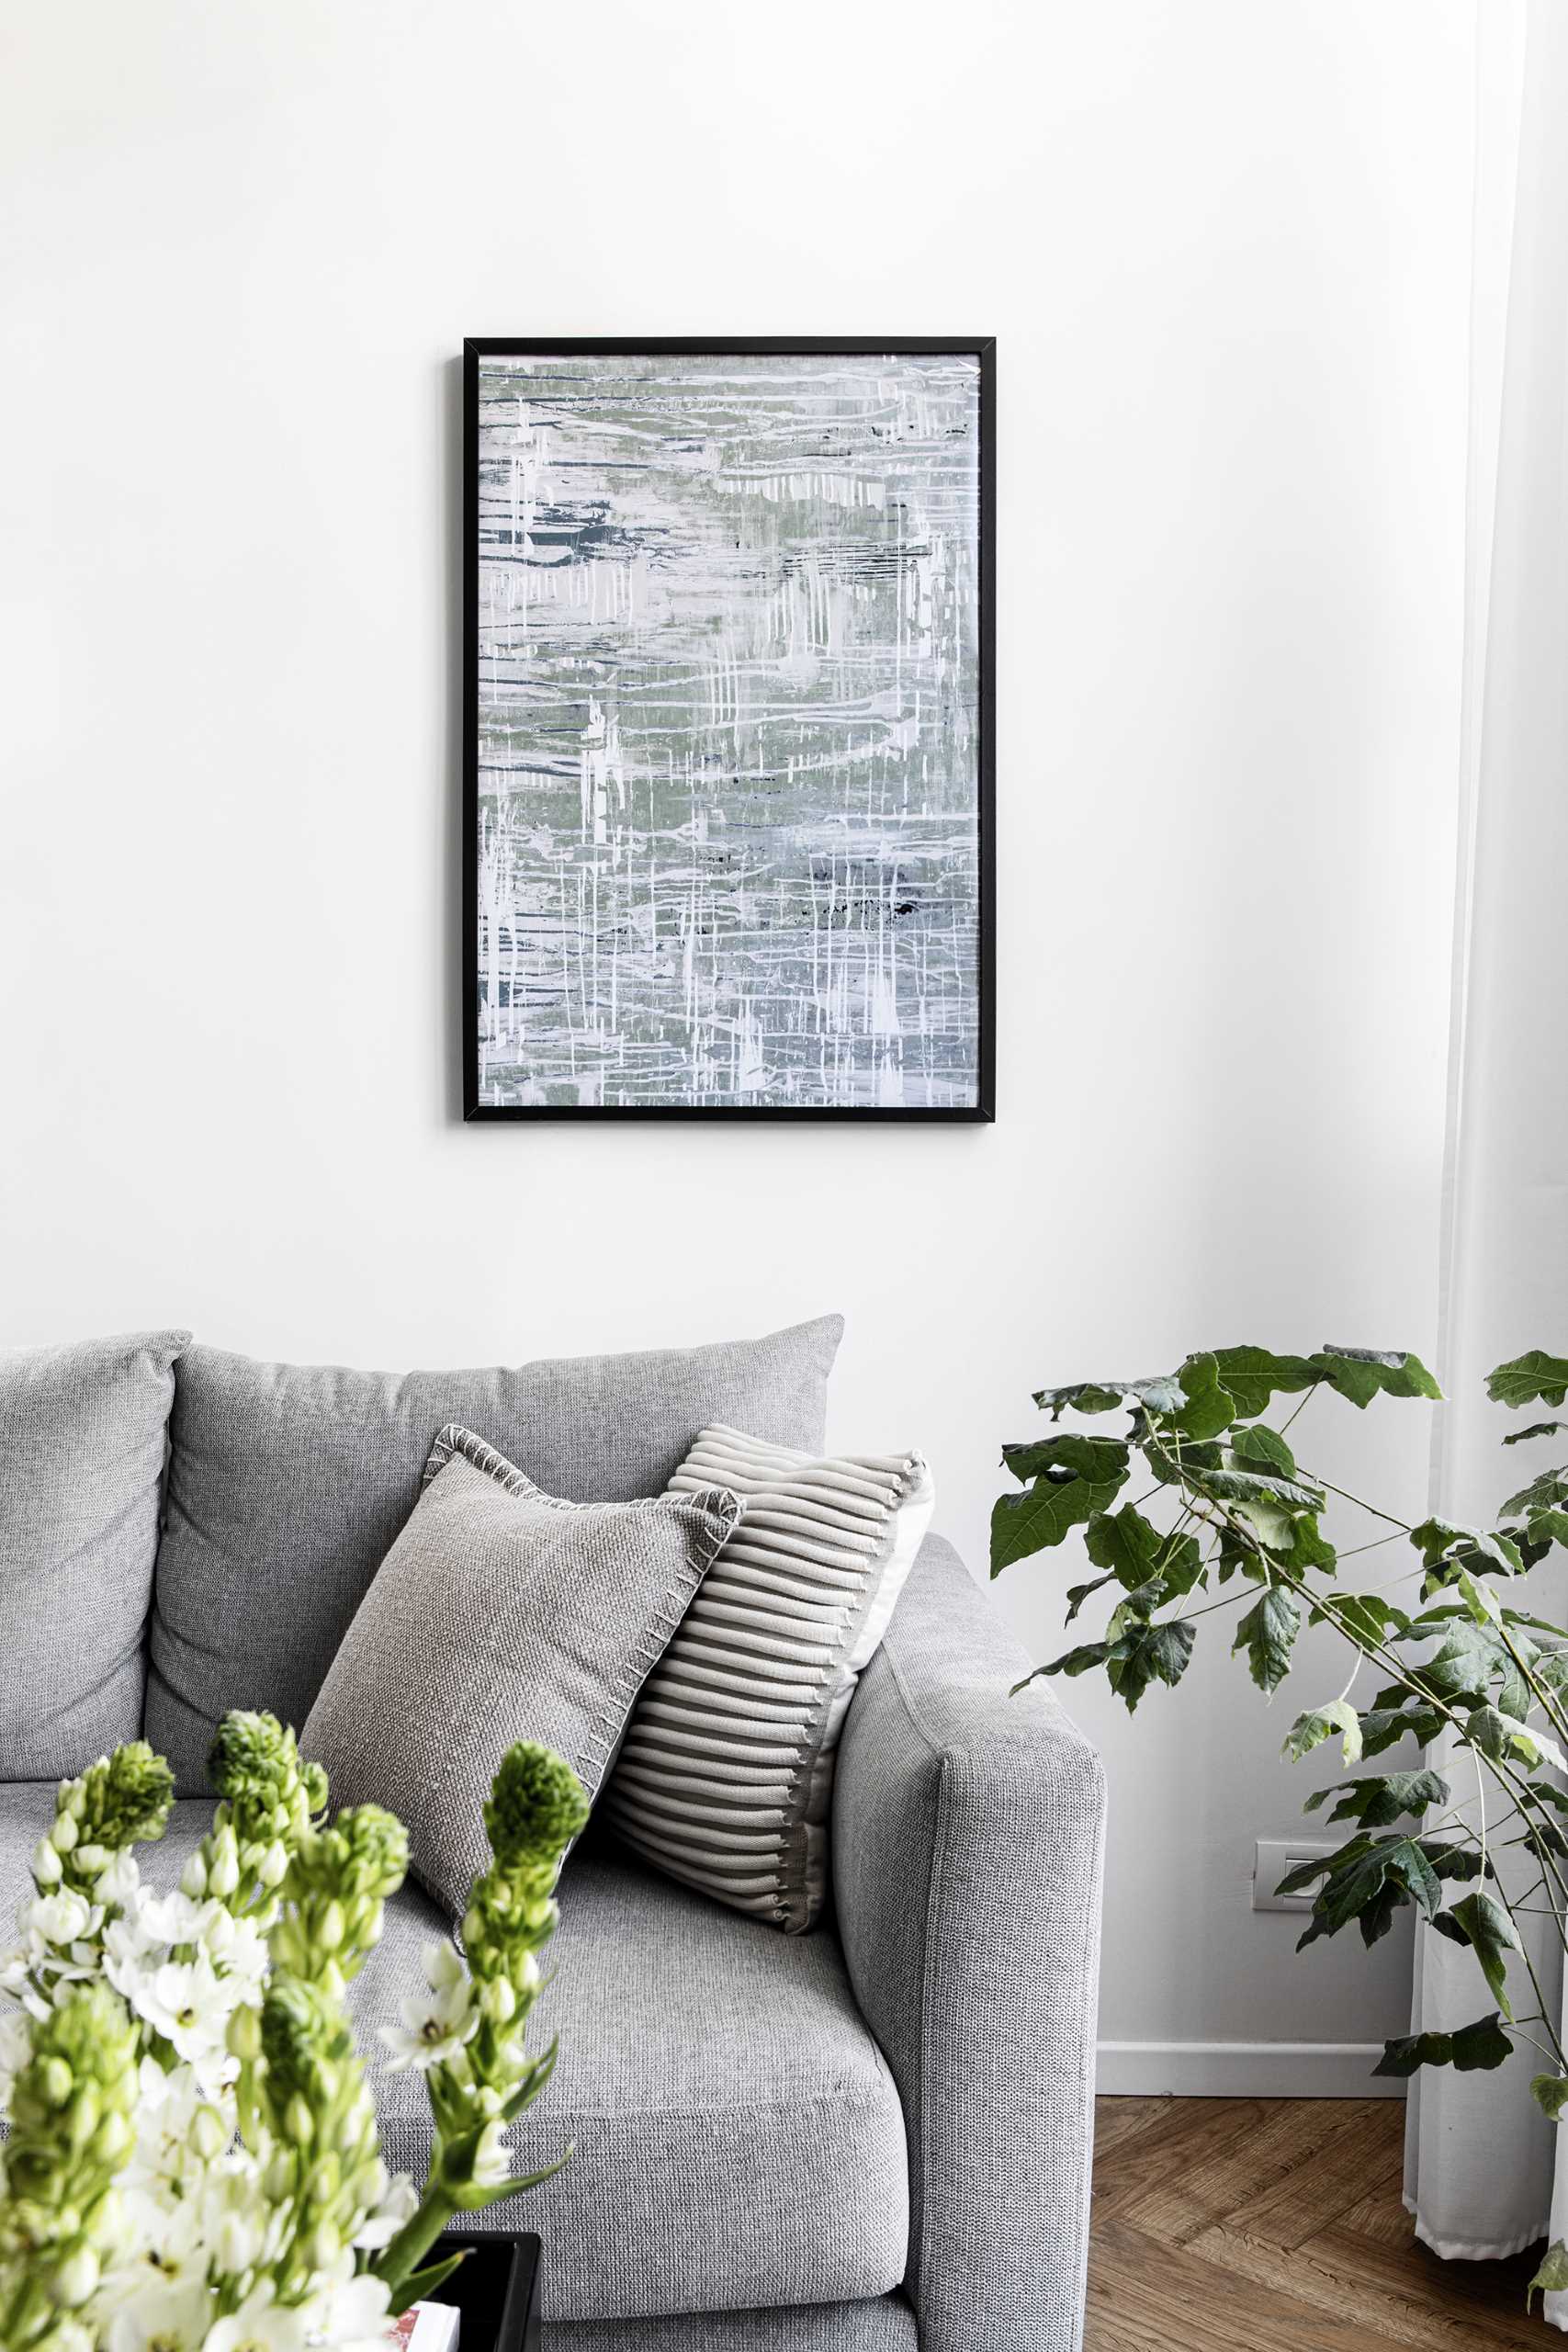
pixel 77 2277
pixel 55 2081
pixel 119 1799
pixel 223 1872
pixel 536 1807
pixel 192 1877
pixel 298 2121
pixel 245 2035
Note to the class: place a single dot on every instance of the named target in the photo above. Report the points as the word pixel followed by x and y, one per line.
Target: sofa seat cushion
pixel 739 2141
pixel 289 1483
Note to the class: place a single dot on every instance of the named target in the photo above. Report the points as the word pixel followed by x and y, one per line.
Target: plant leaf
pixel 1162 1395
pixel 1259 1446
pixel 1075 1662
pixel 1078 1593
pixel 1124 1541
pixel 1552 2275
pixel 1379 1798
pixel 1147 1653
pixel 1547 1492
pixel 1520 1437
pixel 1549 2093
pixel 1267 1633
pixel 419 2285
pixel 1362 1374
pixel 1253 1376
pixel 1490 1930
pixel 1481 2044
pixel 1383 1727
pixel 1448 1548
pixel 1046 1511
pixel 1367 1616
pixel 1070 1455
pixel 1310 1731
pixel 1208 1409
pixel 1528 1378
pixel 1369 1885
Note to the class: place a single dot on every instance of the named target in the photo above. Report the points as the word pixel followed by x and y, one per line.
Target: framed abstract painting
pixel 728 729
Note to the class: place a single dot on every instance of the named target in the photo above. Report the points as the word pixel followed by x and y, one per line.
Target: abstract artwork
pixel 728 719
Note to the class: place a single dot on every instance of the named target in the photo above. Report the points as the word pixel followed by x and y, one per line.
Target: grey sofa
pixel 865 2140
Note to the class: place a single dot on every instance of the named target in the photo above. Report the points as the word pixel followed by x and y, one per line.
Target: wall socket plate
pixel 1272 1856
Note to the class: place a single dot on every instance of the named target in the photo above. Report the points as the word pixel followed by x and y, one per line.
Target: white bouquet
pixel 193 2163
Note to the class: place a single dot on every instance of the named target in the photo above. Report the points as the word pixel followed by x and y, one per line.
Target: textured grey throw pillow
pixel 725 1778
pixel 82 1446
pixel 501 1613
pixel 289 1483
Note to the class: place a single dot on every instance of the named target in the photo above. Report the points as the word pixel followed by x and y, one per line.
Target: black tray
pixel 496 2289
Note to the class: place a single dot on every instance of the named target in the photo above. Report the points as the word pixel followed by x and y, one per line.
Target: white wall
pixel 1225 250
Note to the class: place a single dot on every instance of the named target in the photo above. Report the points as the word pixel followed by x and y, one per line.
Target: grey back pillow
pixel 288 1484
pixel 82 1447
pixel 501 1613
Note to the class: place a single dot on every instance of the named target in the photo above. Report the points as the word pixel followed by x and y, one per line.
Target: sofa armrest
pixel 968 1842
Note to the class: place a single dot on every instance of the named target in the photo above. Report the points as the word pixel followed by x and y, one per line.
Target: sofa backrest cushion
pixel 82 1436
pixel 288 1484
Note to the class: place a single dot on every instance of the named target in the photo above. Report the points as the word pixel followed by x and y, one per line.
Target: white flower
pixel 122 1882
pixel 61 1918
pixel 398 2204
pixel 259 2325
pixel 492 2162
pixel 183 2001
pixel 161 2317
pixel 15 2048
pixel 435 2029
pixel 348 2313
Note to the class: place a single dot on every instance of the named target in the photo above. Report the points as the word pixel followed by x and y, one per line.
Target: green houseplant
pixel 1229 1504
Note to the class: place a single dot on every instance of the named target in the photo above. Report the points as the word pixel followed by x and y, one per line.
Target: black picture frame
pixel 478 348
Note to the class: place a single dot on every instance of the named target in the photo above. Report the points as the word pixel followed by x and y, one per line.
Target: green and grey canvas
pixel 728 725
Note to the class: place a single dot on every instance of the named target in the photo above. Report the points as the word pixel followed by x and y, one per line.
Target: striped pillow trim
pixel 725 1778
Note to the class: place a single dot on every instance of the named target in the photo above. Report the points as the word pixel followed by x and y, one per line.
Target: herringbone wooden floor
pixel 1275 2225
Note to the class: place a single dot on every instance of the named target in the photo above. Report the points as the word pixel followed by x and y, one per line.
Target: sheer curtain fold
pixel 1483 2173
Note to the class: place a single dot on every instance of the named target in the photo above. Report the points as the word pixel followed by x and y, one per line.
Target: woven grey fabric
pixel 886 2325
pixel 726 1775
pixel 739 2141
pixel 968 1835
pixel 289 1483
pixel 501 1613
pixel 82 1446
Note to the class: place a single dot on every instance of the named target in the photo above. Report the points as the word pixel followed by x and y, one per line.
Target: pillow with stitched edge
pixel 501 1613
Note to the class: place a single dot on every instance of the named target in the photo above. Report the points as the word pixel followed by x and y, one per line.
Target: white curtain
pixel 1484 2172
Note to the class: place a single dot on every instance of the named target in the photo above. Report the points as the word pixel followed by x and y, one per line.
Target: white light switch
pixel 1273 1857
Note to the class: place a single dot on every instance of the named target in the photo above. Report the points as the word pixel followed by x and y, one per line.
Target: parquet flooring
pixel 1275 2225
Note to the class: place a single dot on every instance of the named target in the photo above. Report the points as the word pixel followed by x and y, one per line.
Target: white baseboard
pixel 1244 2070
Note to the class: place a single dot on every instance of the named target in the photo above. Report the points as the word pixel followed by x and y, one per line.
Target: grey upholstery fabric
pixel 726 1775
pixel 82 1445
pixel 739 2141
pixel 289 1483
pixel 968 1832
pixel 886 2325
pixel 501 1613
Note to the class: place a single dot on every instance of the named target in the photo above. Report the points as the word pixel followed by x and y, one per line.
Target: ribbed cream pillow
pixel 726 1775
